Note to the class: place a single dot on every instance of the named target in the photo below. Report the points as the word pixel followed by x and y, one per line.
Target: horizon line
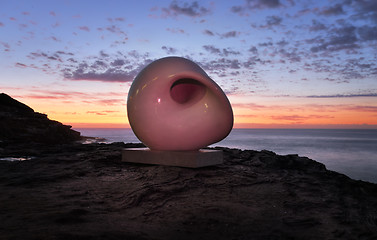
pixel 242 126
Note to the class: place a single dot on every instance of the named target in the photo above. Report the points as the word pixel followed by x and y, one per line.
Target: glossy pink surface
pixel 173 105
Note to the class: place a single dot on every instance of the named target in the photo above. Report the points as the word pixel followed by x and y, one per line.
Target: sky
pixel 282 63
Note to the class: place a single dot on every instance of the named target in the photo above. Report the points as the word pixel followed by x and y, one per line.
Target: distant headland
pixel 20 123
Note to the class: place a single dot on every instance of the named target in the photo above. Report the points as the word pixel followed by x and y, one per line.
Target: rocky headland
pixel 70 190
pixel 21 124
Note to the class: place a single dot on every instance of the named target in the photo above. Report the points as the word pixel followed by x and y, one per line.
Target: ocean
pixel 352 152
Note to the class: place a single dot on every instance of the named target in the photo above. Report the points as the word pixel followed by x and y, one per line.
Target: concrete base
pixel 189 159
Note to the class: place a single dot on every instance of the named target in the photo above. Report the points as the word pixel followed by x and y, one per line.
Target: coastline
pixel 83 191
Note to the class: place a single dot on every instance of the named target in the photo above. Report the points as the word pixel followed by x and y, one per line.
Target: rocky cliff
pixel 21 124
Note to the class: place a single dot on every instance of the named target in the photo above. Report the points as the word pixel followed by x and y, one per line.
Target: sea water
pixel 349 151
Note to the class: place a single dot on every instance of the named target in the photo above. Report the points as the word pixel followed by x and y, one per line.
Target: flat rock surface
pixel 77 191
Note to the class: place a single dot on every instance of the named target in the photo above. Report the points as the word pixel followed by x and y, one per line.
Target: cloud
pixel 337 9
pixel 255 4
pixel 338 39
pixel 101 112
pixel 208 32
pixel 253 50
pixel 265 3
pixel 237 9
pixel 298 118
pixel 245 115
pixel 103 54
pixel 212 49
pixel 356 68
pixel 282 43
pixel 341 108
pixel 114 29
pixel 364 9
pixel 71 113
pixel 324 111
pixel 56 95
pixel 118 63
pixel 190 9
pixel 221 52
pixel 120 67
pixel 104 67
pixel 84 28
pixel 265 44
pixel 56 56
pixel 169 50
pixel 97 113
pixel 175 30
pixel 110 75
pixel 251 106
pixel 50 97
pixel 329 38
pixel 64 53
pixel 221 65
pixel 303 12
pixel 94 98
pixel 343 95
pixel 21 65
pixel 349 69
pixel 230 34
pixel 64 94
pixel 317 26
pixel 358 108
pixel 117 19
pixel 112 102
pixel 54 39
pixel 367 33
pixel 5 45
pixel 292 56
pixel 273 21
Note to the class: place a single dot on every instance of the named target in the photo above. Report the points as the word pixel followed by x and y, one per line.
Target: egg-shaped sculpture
pixel 173 105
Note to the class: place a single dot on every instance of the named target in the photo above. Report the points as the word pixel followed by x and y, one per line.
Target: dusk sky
pixel 281 63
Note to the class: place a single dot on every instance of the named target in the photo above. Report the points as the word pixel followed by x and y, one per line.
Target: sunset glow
pixel 308 64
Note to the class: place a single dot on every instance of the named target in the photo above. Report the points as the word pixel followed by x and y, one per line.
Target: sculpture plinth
pixel 189 159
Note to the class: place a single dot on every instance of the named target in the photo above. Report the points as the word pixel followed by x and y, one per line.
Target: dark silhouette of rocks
pixel 8 104
pixel 79 191
pixel 21 124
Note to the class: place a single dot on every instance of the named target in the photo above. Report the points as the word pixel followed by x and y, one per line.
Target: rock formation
pixel 21 124
pixel 83 192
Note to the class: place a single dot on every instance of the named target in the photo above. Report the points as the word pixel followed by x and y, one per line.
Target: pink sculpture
pixel 173 105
